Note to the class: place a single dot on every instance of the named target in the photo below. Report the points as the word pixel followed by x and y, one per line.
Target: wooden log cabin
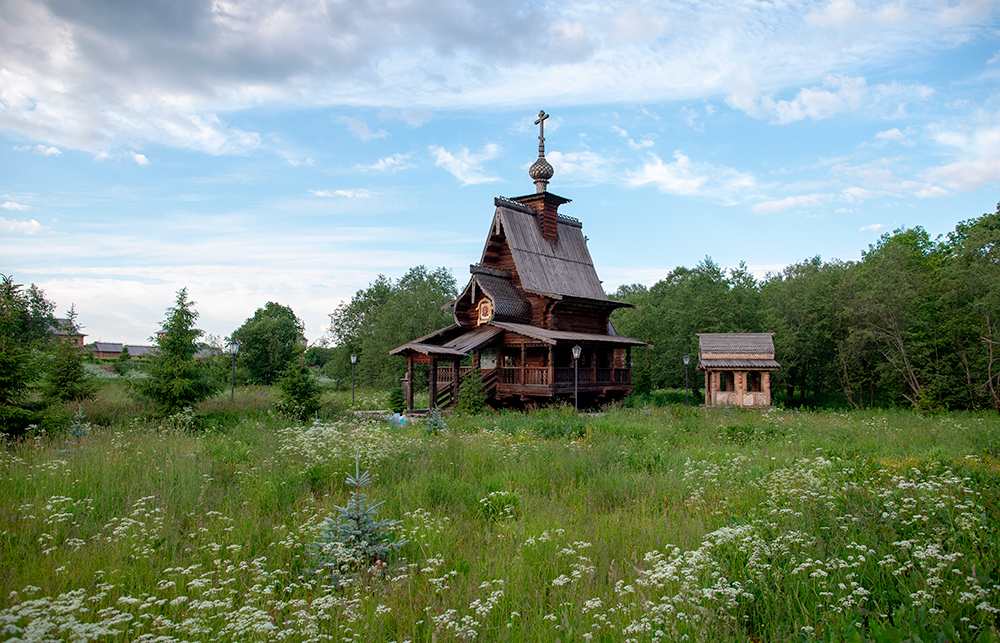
pixel 533 297
pixel 737 368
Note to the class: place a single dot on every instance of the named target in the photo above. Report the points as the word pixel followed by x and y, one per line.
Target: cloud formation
pixel 685 177
pixel 465 166
pixel 101 75
pixel 24 227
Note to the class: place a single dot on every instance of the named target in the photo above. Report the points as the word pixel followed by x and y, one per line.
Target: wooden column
pixel 552 367
pixel 523 361
pixel 708 399
pixel 458 379
pixel 433 382
pixel 409 383
pixel 628 362
pixel 593 365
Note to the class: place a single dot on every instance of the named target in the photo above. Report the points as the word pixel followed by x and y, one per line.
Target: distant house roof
pixel 107 347
pixel 560 267
pixel 62 323
pixel 734 351
pixel 142 351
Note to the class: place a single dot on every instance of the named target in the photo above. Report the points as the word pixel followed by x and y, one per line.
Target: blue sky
pixel 292 150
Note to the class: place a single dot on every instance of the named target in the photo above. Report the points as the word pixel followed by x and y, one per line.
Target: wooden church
pixel 531 302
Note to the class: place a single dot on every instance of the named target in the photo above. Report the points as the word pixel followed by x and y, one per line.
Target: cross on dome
pixel 541 171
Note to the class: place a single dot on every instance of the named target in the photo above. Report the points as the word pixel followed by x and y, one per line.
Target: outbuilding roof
pixel 736 344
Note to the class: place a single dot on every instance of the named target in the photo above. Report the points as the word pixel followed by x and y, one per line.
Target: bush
pixel 472 395
pixel 300 393
pixel 397 400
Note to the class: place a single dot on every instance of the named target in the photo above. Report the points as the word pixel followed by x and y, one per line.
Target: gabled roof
pixel 561 267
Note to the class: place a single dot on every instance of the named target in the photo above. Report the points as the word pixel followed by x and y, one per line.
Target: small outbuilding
pixel 737 368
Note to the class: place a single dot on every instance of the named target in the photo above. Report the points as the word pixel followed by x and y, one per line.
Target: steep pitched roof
pixel 560 267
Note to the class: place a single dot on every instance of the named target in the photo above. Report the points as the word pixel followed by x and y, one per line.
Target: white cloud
pixel 978 150
pixel 26 227
pixel 688 178
pixel 350 194
pixel 631 143
pixel 895 135
pixel 44 150
pixel 875 227
pixel 994 59
pixel 465 166
pixel 791 202
pixel 140 159
pixel 11 205
pixel 584 167
pixel 390 163
pixel 838 94
pixel 361 130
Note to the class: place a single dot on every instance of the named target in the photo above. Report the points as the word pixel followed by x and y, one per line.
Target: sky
pixel 293 150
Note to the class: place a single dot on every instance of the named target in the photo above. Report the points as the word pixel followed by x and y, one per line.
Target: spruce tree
pixel 66 378
pixel 175 379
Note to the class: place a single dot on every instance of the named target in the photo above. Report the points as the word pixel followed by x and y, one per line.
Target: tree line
pixel 913 322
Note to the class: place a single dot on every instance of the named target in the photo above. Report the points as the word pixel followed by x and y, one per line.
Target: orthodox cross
pixel 541 131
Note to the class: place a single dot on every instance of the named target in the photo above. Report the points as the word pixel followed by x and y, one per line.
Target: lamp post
pixel 234 347
pixel 354 360
pixel 576 376
pixel 687 360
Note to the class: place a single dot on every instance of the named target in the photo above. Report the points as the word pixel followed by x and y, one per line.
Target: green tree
pixel 386 315
pixel 270 342
pixel 175 379
pixel 16 371
pixel 65 378
pixel 26 323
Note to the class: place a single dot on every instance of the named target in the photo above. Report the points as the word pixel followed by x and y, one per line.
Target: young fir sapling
pixel 355 540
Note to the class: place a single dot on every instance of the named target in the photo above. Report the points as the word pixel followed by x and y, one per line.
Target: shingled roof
pixel 561 267
pixel 734 351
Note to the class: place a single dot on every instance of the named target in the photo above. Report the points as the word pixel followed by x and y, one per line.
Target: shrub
pixel 472 395
pixel 397 400
pixel 300 393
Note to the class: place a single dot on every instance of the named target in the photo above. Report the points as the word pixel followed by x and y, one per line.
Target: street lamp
pixel 687 360
pixel 234 347
pixel 576 376
pixel 354 360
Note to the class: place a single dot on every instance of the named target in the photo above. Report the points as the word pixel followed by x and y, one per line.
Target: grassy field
pixel 663 524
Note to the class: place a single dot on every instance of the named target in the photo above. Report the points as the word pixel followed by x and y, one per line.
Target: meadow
pixel 654 524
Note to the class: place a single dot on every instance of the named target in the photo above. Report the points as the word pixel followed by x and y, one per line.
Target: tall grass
pixel 634 525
